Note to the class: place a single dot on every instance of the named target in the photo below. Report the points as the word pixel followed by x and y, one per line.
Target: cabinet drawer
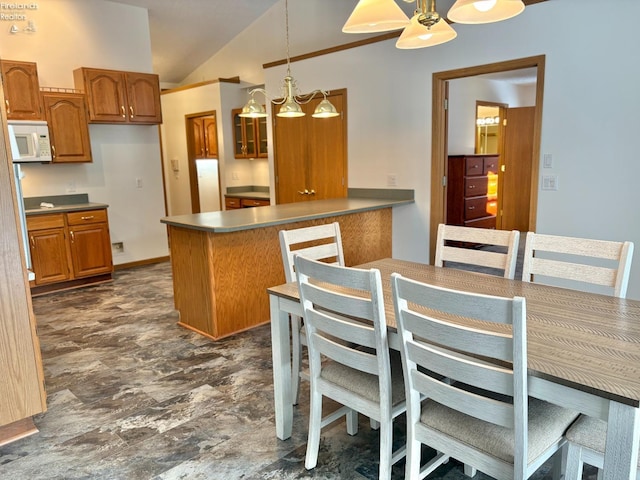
pixel 474 166
pixel 87 216
pixel 490 165
pixel 232 202
pixel 478 207
pixel 252 202
pixel 42 222
pixel 487 222
pixel 475 186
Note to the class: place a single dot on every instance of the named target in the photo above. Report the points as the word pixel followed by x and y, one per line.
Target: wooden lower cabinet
pixel 233 203
pixel 69 249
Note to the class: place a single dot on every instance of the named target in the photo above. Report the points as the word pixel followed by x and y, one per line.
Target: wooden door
pixel 311 154
pixel 49 256
pixel 21 90
pixel 327 171
pixel 143 96
pixel 90 249
pixel 66 115
pixel 515 182
pixel 106 95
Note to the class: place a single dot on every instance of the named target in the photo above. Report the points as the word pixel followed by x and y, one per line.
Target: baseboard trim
pixel 17 430
pixel 141 263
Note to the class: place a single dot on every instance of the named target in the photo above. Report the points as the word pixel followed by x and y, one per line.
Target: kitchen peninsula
pixel 223 262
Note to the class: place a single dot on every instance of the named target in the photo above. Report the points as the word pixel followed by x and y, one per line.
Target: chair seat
pixel 365 384
pixel 547 424
pixel 589 432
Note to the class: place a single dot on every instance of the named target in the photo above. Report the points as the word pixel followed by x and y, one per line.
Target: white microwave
pixel 29 141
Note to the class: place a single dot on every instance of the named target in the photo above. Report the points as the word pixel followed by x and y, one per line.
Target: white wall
pixel 589 125
pixel 463 94
pixel 95 33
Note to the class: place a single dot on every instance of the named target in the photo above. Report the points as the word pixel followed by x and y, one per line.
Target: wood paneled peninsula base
pixel 223 262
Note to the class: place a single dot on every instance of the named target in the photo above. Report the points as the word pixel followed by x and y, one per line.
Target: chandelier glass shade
pixel 291 103
pixel 426 28
pixel 484 11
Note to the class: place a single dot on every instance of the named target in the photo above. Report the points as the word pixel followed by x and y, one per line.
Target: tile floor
pixel 131 395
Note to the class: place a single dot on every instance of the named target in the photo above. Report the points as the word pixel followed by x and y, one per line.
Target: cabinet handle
pixel 89 217
pixel 124 115
pixel 131 112
pixel 53 151
pixel 472 208
pixel 206 152
pixel 33 243
pixel 312 192
pixel 73 237
pixel 306 192
pixel 202 151
pixel 6 102
pixel 471 186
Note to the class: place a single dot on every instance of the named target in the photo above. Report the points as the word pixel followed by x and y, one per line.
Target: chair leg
pixel 296 361
pixel 574 463
pixel 375 425
pixel 412 466
pixel 352 422
pixel 559 465
pixel 386 448
pixel 470 471
pixel 315 425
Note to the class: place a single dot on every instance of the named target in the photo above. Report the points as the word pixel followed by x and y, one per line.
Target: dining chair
pixel 319 242
pixel 349 357
pixel 467 354
pixel 596 262
pixel 586 442
pixel 499 255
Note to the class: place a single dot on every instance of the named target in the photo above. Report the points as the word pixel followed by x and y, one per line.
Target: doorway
pixel 439 148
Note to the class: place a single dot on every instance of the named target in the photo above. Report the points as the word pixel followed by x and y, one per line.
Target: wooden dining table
pixel 583 349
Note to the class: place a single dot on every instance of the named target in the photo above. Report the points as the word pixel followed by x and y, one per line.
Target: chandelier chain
pixel 286 26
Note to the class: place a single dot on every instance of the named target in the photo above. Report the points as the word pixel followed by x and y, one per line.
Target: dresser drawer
pixel 474 166
pixel 479 207
pixel 43 222
pixel 87 216
pixel 475 186
pixel 487 222
pixel 490 165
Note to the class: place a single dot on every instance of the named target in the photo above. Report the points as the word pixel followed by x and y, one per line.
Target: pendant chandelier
pixel 426 28
pixel 292 101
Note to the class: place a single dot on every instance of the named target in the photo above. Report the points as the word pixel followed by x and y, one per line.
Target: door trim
pixel 439 135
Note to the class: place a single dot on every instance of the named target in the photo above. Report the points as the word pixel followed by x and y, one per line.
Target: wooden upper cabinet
pixel 249 136
pixel 66 115
pixel 205 137
pixel 21 90
pixel 120 97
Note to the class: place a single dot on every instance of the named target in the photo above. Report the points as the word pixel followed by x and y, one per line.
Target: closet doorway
pixel 439 151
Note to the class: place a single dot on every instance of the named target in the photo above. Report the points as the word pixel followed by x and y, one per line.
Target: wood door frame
pixel 439 135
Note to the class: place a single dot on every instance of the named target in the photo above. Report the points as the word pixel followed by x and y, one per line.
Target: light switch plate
pixel 549 182
pixel 547 160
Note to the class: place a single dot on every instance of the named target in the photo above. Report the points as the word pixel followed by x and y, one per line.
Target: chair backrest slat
pixel 343 312
pixel 459 251
pixel 590 261
pixel 319 242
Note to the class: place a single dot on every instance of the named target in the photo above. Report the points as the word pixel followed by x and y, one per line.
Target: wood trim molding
pixel 141 263
pixel 200 84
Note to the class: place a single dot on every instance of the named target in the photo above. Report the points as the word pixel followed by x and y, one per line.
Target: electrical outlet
pixel 117 247
pixel 235 176
pixel 138 183
pixel 392 180
pixel 71 187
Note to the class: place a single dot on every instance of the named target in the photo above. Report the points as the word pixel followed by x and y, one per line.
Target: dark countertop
pixel 249 194
pixel 259 217
pixel 61 204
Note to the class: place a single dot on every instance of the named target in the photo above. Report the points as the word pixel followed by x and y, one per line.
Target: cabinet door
pixel 211 137
pixel 105 90
pixel 311 154
pixel 197 131
pixel 90 249
pixel 21 90
pixel 244 136
pixel 143 95
pixel 49 256
pixel 261 137
pixel 66 115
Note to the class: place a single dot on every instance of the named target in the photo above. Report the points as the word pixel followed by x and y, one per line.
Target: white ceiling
pixel 185 33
